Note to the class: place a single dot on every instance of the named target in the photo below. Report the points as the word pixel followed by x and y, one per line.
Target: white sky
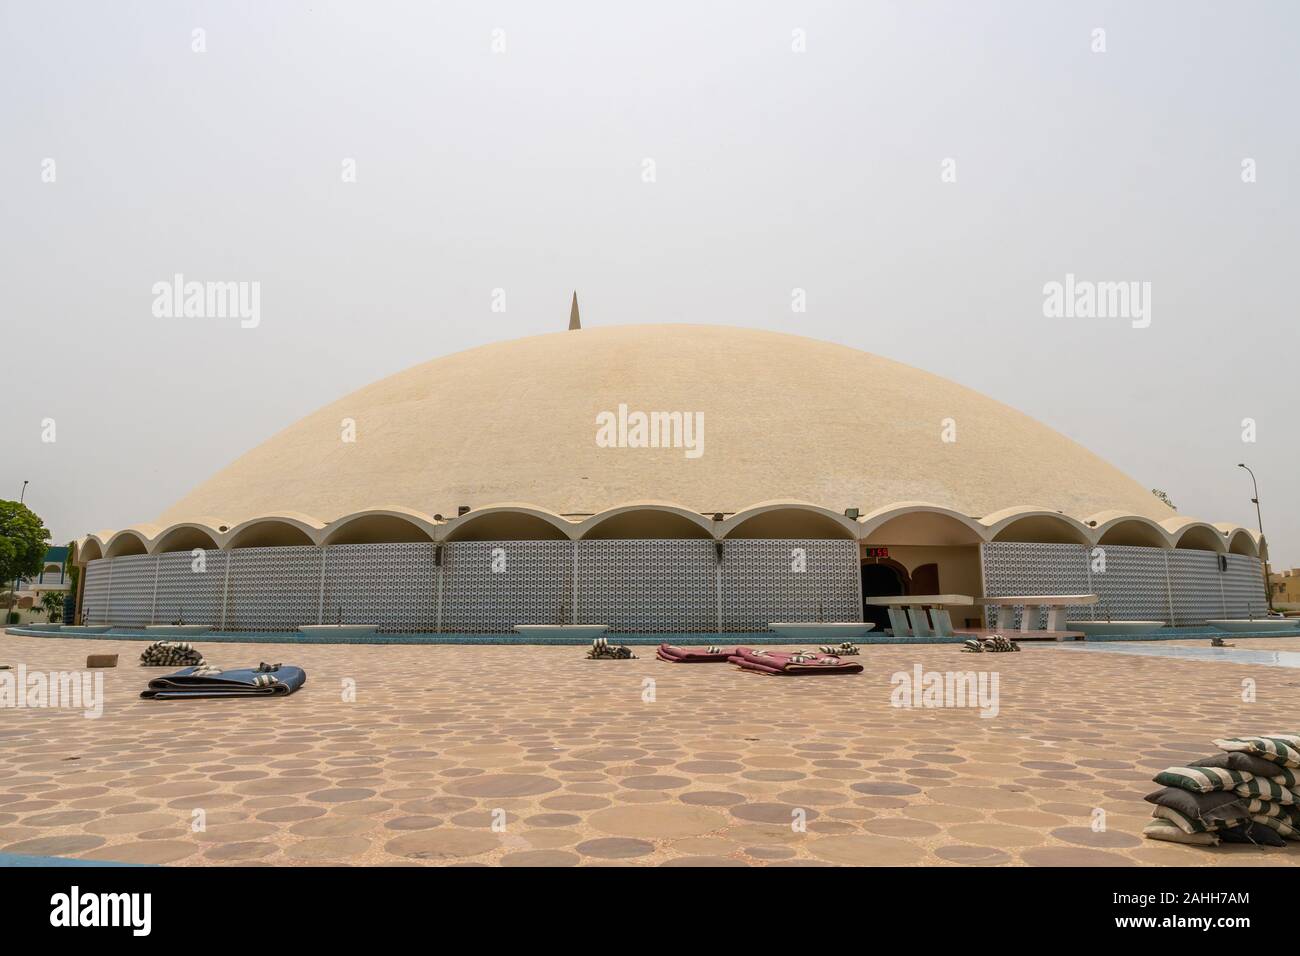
pixel 522 171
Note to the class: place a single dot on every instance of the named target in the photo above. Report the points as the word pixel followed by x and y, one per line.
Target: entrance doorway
pixel 881 579
pixel 925 579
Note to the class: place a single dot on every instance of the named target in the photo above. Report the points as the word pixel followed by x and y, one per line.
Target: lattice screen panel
pixel 1135 585
pixel 1012 567
pixel 94 599
pixel 490 586
pixel 648 585
pixel 189 595
pixel 1183 586
pixel 273 589
pixel 1243 587
pixel 130 603
pixel 1195 580
pixel 393 585
pixel 632 585
pixel 760 584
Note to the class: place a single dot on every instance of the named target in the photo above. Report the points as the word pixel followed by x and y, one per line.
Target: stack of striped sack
pixel 1248 793
pixel 171 654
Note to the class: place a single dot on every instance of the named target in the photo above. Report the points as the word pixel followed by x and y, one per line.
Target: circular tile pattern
pixel 503 785
pixel 720 772
pixel 661 821
pixel 615 848
pixel 972 855
pixel 783 813
pixel 541 858
pixel 442 843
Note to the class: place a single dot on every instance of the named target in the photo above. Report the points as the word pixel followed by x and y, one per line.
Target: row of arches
pixel 900 524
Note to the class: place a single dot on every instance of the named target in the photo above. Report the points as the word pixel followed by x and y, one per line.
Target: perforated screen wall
pixel 666 586
pixel 1181 587
pixel 490 586
pixel 766 580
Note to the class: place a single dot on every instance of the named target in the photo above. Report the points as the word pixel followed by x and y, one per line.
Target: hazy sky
pixel 523 170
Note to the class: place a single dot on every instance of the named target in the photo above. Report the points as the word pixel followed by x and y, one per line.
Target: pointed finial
pixel 574 321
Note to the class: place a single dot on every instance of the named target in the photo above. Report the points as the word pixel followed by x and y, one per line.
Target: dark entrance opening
pixel 925 579
pixel 880 580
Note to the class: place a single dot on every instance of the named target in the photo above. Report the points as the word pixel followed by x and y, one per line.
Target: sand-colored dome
pixel 785 417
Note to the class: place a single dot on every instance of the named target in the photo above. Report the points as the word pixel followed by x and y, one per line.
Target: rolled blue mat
pixel 186 684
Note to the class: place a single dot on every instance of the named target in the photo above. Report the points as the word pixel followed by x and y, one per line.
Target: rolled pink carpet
pixel 793 662
pixel 694 655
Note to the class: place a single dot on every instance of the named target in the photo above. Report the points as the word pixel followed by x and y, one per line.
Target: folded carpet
pixel 792 663
pixel 694 655
pixel 201 682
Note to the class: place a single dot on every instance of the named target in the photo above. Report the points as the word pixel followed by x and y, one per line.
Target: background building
pixel 53 576
pixel 477 491
pixel 1285 587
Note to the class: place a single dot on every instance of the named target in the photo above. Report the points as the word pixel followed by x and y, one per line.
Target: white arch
pixel 498 516
pixel 1195 535
pixel 245 531
pixel 1132 531
pixel 1243 541
pixel 386 517
pixel 1029 523
pixel 920 522
pixel 163 542
pixel 91 548
pixel 847 527
pixel 119 544
pixel 679 514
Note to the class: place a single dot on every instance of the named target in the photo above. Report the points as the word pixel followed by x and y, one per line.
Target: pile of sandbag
pixel 603 650
pixel 1247 793
pixel 997 644
pixel 840 650
pixel 171 654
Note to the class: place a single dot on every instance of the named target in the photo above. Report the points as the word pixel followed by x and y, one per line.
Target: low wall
pixel 641 585
pixel 1179 587
pixel 486 587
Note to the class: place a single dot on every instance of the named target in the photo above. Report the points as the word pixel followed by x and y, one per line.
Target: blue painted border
pixel 22 859
pixel 297 637
pixel 640 640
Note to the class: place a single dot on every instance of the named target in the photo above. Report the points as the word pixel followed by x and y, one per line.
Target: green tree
pixel 52 601
pixel 70 568
pixel 24 539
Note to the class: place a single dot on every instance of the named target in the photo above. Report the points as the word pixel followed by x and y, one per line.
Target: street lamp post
pixel 1268 586
pixel 14 590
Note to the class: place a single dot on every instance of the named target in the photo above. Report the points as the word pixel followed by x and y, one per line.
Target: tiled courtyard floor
pixel 443 740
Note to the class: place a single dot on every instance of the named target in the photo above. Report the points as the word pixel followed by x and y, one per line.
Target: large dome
pixel 785 418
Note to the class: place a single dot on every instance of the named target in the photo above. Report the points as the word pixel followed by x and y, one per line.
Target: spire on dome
pixel 574 321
